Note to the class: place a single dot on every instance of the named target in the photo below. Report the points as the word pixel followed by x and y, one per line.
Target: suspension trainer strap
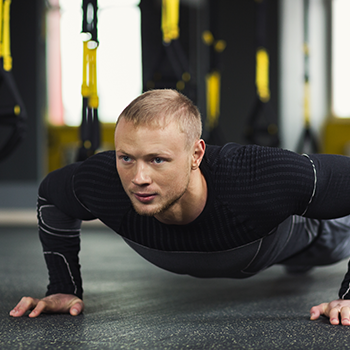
pixel 90 125
pixel 306 64
pixel 261 128
pixel 262 58
pixel 308 142
pixel 173 49
pixel 170 20
pixel 213 77
pixel 13 115
pixel 171 54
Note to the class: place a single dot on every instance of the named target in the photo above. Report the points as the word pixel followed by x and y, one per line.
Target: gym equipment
pixel 13 115
pixel 90 125
pixel 308 142
pixel 213 77
pixel 171 69
pixel 261 126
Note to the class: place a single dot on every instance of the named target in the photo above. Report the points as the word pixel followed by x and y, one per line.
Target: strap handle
pixel 170 20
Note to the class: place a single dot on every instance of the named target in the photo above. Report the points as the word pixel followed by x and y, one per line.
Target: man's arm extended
pixel 331 200
pixel 59 221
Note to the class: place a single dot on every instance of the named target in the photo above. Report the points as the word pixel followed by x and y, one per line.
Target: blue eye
pixel 158 160
pixel 126 159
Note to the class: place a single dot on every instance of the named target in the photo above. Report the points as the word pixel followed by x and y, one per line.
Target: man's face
pixel 153 164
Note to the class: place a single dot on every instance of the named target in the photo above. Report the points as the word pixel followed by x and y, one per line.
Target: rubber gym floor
pixel 130 304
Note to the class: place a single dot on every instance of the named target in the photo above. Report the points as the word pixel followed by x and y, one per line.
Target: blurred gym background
pixel 271 72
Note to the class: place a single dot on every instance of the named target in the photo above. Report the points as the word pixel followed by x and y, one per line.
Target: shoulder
pixel 255 164
pixel 97 184
pixel 230 152
pixel 98 171
pixel 102 163
pixel 106 158
pixel 263 181
pixel 250 155
pixel 229 156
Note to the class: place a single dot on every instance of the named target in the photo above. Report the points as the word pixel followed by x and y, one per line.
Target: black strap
pixel 171 68
pixel 89 132
pixel 260 130
pixel 89 24
pixel 306 6
pixel 308 142
pixel 90 125
pixel 260 23
pixel 261 127
pixel 216 46
pixel 13 116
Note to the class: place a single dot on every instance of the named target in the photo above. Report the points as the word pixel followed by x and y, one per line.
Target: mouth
pixel 144 197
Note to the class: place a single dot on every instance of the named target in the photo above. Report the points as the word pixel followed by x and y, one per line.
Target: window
pixel 119 68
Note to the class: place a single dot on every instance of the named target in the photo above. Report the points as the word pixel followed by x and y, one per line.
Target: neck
pixel 190 205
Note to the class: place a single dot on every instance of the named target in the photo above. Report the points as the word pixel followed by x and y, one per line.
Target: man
pixel 206 211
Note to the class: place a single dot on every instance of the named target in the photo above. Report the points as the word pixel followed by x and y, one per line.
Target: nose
pixel 141 175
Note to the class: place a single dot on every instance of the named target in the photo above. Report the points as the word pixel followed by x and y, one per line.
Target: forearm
pixel 60 238
pixel 331 199
pixel 59 219
pixel 344 292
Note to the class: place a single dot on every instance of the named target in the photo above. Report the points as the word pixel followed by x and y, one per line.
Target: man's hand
pixel 335 310
pixel 56 303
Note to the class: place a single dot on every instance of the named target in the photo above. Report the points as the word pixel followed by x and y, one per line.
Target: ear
pixel 198 154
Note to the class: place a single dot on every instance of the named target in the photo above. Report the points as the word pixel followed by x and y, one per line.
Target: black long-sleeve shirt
pixel 251 190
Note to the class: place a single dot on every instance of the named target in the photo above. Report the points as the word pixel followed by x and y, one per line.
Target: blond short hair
pixel 161 107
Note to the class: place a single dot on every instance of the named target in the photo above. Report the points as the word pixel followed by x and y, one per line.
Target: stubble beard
pixel 165 206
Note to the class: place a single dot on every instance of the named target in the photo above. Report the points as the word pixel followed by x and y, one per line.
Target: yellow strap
pixel 93 97
pixel 1 24
pixel 307 103
pixel 213 82
pixel 84 86
pixel 89 83
pixel 262 74
pixel 6 52
pixel 170 20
